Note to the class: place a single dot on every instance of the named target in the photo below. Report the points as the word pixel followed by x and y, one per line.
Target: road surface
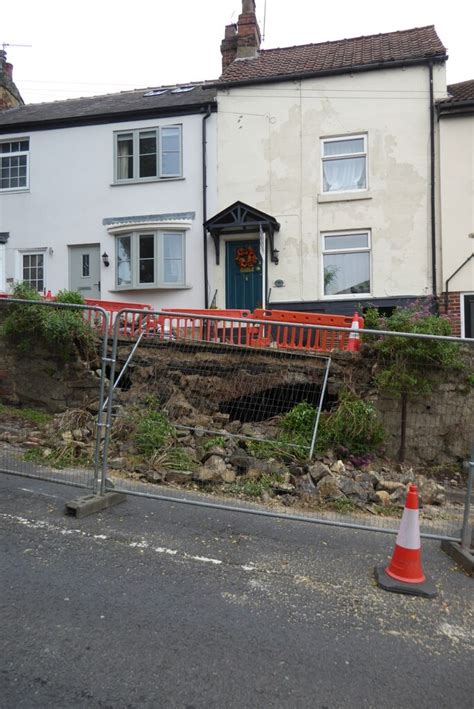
pixel 153 604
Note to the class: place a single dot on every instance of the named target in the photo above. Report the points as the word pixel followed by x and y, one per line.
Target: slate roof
pixel 109 107
pixel 374 51
pixel 464 91
pixel 460 100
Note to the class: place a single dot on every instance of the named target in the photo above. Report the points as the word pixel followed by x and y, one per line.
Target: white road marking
pixel 36 492
pixel 203 558
pixel 142 544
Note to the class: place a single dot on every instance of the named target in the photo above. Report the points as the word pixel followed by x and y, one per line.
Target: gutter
pixel 355 69
pixel 432 185
pixel 455 108
pixel 204 201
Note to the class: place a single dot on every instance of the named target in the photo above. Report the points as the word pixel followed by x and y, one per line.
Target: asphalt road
pixel 154 604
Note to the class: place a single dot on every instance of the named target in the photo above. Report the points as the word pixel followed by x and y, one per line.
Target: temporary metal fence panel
pixel 200 352
pixel 64 447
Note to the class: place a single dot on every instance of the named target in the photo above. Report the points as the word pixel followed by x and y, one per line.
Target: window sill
pixel 126 289
pixel 15 191
pixel 349 296
pixel 146 182
pixel 343 196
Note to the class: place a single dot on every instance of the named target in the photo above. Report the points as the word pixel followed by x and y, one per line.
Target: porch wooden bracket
pixel 240 218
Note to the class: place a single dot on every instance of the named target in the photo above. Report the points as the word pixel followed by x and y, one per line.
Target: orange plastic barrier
pixel 131 325
pixel 283 331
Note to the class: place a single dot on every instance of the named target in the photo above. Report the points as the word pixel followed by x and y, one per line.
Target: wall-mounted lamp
pixel 50 251
pixel 105 259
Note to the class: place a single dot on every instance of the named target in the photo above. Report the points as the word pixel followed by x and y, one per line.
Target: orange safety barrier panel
pixel 283 331
pixel 192 326
pixel 132 325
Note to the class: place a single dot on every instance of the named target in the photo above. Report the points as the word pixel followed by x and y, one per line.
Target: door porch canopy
pixel 240 218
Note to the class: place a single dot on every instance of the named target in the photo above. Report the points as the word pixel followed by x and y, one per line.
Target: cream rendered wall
pixel 457 199
pixel 269 157
pixel 72 191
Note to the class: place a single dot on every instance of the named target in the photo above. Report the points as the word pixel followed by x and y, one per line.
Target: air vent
pixel 156 92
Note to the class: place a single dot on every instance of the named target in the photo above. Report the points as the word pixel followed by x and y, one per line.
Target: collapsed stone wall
pixel 197 386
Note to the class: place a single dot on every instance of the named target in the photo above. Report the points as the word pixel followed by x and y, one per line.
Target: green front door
pixel 243 275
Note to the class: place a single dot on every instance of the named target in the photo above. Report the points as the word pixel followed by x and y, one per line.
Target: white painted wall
pixel 269 157
pixel 71 192
pixel 457 199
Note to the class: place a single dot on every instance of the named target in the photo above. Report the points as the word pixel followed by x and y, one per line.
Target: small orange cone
pixel 354 342
pixel 405 574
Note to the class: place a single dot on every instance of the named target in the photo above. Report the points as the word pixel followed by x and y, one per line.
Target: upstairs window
pixel 14 164
pixel 150 259
pixel 344 164
pixel 142 155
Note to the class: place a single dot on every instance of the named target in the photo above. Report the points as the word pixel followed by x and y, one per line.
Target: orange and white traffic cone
pixel 354 342
pixel 405 574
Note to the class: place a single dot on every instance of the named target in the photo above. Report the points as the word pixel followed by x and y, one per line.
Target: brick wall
pixel 453 311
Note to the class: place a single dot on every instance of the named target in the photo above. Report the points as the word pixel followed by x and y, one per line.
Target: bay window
pixel 149 154
pixel 150 259
pixel 346 263
pixel 344 164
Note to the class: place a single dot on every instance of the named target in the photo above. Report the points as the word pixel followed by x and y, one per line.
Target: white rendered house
pixel 333 154
pixel 107 195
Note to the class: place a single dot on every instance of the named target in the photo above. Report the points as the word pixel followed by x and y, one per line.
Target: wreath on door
pixel 245 257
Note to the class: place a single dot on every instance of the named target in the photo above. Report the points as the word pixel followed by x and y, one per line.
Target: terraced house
pixel 333 149
pixel 106 195
pixel 320 177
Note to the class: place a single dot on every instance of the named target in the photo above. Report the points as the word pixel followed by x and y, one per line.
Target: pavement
pixel 158 604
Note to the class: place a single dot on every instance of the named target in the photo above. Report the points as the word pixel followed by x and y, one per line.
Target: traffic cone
pixel 405 574
pixel 354 342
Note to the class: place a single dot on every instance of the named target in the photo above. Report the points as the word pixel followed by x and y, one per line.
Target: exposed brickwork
pixel 453 311
pixel 9 95
pixel 241 41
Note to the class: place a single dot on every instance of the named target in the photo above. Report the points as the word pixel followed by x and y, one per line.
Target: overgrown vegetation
pixel 214 441
pixel 409 367
pixel 60 330
pixel 39 418
pixel 59 458
pixel 254 488
pixel 352 427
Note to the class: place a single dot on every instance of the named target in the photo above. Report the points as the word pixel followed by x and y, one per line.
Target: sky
pixel 95 47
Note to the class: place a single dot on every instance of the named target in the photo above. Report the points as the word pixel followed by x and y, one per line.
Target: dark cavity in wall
pixel 265 404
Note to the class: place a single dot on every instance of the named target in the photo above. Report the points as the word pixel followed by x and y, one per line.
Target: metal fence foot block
pixel 89 504
pixel 464 557
pixel 426 589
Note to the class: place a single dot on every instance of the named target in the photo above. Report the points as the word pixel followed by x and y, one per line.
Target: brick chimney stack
pixel 9 95
pixel 241 41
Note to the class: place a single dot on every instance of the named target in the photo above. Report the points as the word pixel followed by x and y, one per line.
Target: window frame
pixel 32 252
pixel 158 267
pixel 342 156
pixel 136 132
pixel 365 249
pixel 17 153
